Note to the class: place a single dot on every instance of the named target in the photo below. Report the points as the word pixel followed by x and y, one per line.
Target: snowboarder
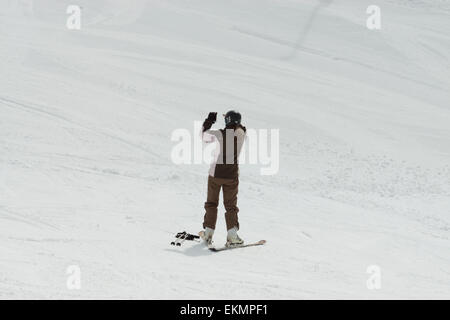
pixel 223 174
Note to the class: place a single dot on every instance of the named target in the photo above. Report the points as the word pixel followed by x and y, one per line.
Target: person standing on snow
pixel 224 174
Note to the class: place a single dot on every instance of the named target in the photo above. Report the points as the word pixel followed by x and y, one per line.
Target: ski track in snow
pixel 86 119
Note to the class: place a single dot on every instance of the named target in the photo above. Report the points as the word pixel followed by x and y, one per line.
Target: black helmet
pixel 232 117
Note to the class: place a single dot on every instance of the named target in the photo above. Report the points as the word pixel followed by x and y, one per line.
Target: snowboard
pixel 245 245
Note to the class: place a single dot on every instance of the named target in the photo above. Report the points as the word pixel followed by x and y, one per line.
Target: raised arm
pixel 207 134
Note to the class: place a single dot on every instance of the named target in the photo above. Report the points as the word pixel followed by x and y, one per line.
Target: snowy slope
pixel 86 119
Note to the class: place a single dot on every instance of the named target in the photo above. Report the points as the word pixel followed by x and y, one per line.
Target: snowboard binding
pixel 183 236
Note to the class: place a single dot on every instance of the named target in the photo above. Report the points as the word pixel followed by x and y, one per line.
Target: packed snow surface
pixel 86 174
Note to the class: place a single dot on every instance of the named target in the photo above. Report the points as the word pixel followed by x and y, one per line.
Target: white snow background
pixel 86 177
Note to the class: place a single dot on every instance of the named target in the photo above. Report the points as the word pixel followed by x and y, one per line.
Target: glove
pixel 212 117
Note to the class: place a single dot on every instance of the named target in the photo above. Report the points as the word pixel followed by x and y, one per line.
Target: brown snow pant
pixel 230 191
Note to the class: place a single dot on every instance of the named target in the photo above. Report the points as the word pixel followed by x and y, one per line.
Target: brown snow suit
pixel 223 174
